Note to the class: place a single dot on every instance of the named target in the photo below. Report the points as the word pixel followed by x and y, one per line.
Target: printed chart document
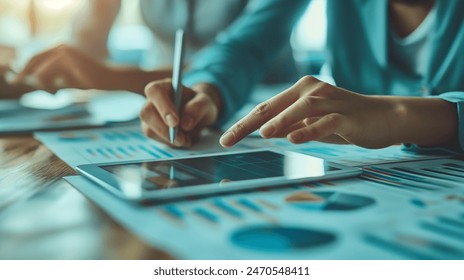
pixel 297 222
pixel 120 143
pixel 123 143
pixel 353 155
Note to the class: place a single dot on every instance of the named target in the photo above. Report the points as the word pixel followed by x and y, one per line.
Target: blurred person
pixel 81 64
pixel 398 66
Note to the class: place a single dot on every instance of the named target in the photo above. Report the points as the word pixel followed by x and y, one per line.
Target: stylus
pixel 177 77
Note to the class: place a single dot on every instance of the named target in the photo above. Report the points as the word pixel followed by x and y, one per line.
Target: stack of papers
pixel 344 219
pixel 403 206
pixel 76 147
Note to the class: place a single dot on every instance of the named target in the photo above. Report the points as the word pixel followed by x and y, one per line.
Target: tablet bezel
pixel 109 181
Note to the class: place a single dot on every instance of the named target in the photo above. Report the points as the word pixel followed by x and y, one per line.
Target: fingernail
pixel 296 137
pixel 267 131
pixel 187 123
pixel 227 139
pixel 170 120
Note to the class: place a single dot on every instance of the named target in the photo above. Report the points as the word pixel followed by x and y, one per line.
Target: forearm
pixel 425 121
pixel 92 26
pixel 134 79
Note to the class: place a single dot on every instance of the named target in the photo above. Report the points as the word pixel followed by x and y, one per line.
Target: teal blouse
pixel 357 52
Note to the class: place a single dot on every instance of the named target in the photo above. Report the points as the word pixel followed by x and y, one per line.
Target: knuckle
pixel 261 109
pixel 197 105
pixel 239 128
pixel 322 89
pixel 148 90
pixel 151 89
pixel 333 118
pixel 309 101
pixel 315 131
pixel 144 113
pixel 155 88
pixel 307 79
pixel 204 101
pixel 306 122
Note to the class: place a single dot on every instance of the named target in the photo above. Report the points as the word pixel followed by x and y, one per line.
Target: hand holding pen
pixel 175 114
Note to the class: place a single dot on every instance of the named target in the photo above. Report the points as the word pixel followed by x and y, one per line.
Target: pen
pixel 177 78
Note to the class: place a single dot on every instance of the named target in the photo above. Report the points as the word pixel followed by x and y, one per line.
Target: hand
pixel 8 91
pixel 64 67
pixel 313 110
pixel 200 107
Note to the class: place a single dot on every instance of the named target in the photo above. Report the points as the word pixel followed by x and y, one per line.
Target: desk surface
pixel 43 217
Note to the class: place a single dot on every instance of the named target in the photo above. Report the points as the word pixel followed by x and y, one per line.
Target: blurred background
pixel 29 26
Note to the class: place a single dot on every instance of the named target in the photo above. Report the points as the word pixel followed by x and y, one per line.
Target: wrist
pixel 111 78
pixel 134 79
pixel 399 119
pixel 424 121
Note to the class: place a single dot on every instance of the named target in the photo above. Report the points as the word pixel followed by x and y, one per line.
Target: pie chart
pixel 328 201
pixel 280 239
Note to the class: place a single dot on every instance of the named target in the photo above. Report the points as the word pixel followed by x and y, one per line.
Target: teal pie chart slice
pixel 328 201
pixel 280 239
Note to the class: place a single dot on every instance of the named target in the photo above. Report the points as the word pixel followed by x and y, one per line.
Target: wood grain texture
pixel 43 217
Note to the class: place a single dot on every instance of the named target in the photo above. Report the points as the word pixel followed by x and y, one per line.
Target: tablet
pixel 211 173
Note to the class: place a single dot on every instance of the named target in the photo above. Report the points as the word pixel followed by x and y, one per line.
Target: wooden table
pixel 43 217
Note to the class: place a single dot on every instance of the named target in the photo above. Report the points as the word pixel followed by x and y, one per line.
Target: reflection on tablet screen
pixel 218 169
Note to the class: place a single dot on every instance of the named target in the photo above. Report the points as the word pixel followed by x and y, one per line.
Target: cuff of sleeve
pixel 456 97
pixel 417 149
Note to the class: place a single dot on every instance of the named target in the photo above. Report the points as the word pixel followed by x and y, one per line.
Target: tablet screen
pixel 213 173
pixel 220 169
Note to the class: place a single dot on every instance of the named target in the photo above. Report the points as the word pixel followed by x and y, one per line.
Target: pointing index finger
pixel 258 116
pixel 248 124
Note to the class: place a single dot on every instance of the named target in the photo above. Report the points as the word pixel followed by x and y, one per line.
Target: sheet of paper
pixel 295 222
pixel 353 155
pixel 122 143
pixel 438 175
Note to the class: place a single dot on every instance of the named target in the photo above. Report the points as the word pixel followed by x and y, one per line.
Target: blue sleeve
pixel 239 56
pixel 456 97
